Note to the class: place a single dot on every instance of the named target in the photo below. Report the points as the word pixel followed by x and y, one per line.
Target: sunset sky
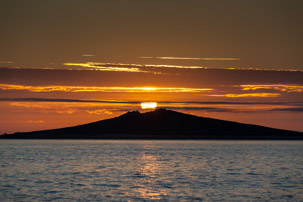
pixel 69 62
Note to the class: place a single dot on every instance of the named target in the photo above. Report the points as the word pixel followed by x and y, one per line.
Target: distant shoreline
pixel 161 124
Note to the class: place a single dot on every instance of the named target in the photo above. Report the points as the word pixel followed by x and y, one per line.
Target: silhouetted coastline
pixel 161 124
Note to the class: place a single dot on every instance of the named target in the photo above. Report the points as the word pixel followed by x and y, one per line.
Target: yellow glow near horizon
pixel 248 95
pixel 102 89
pixel 148 105
pixel 277 87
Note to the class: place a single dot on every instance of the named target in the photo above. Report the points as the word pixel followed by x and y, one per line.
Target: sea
pixel 127 170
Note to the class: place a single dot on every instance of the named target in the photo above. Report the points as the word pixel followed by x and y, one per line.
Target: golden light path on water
pixel 149 170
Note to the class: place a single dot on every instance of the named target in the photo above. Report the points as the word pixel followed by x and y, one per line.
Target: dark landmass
pixel 161 124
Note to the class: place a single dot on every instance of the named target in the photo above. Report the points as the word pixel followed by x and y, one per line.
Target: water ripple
pixel 150 170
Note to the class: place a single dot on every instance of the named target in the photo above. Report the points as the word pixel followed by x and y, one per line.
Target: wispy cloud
pixel 71 106
pixel 248 95
pixel 164 103
pixel 188 58
pixel 149 68
pixel 49 108
pixel 88 55
pixel 100 111
pixel 290 109
pixel 101 89
pixel 206 109
pixel 67 100
pixel 6 62
pixel 128 67
pixel 98 66
pixel 33 121
pixel 265 69
pixel 278 87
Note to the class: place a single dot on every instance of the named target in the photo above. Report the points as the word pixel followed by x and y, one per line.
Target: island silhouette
pixel 161 124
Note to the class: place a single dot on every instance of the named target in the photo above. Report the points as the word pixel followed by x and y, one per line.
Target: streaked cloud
pixel 102 89
pixel 6 62
pixel 88 55
pixel 188 58
pixel 289 109
pixel 146 68
pixel 67 100
pixel 175 66
pixel 278 87
pixel 123 67
pixel 100 111
pixel 49 108
pixel 248 95
pixel 71 108
pixel 110 107
pixel 100 67
pixel 150 68
pixel 206 109
pixel 263 69
pixel 163 103
pixel 33 121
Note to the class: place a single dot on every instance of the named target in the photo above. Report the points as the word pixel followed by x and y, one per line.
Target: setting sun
pixel 148 105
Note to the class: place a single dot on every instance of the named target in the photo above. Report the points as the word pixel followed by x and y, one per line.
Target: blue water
pixel 75 170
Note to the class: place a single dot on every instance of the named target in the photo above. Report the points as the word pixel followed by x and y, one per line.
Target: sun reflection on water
pixel 149 171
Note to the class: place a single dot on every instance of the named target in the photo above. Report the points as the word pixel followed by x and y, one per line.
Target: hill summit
pixel 162 124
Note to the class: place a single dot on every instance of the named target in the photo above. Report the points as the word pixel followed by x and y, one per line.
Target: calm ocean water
pixel 94 170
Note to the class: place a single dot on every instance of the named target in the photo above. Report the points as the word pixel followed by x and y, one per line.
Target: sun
pixel 148 105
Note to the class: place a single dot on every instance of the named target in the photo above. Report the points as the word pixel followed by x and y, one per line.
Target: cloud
pixel 88 55
pixel 102 89
pixel 277 87
pixel 6 62
pixel 166 69
pixel 262 69
pixel 33 121
pixel 96 66
pixel 208 109
pixel 123 67
pixel 166 103
pixel 290 109
pixel 248 95
pixel 100 111
pixel 49 108
pixel 238 110
pixel 187 58
pixel 95 107
pixel 53 107
pixel 65 100
pixel 149 68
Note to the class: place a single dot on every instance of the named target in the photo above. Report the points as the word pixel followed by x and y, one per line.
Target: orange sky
pixel 67 62
pixel 33 99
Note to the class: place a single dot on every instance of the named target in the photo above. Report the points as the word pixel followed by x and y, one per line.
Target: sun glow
pixel 148 105
pixel 113 89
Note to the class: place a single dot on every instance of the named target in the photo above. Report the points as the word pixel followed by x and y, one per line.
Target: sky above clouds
pixel 70 62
